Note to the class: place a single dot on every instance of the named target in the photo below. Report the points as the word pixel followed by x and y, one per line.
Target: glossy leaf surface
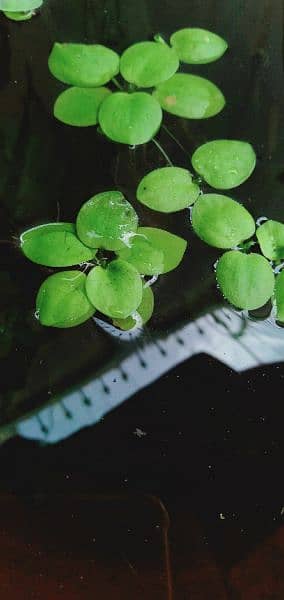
pixel 55 245
pixel 83 65
pixel 245 280
pixel 220 221
pixel 198 46
pixel 148 63
pixel 270 237
pixel 224 164
pixel 168 189
pixel 107 221
pixel 144 310
pixel 62 300
pixel 130 118
pixel 190 96
pixel 116 291
pixel 80 106
pixel 172 246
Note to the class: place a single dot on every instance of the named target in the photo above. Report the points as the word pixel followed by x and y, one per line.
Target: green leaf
pixel 168 189
pixel 19 6
pixel 130 118
pixel 147 259
pixel 170 244
pixel 83 65
pixel 270 237
pixel 80 106
pixel 144 310
pixel 62 300
pixel 147 63
pixel 19 16
pixel 224 164
pixel 190 96
pixel 107 221
pixel 279 297
pixel 198 46
pixel 55 245
pixel 245 280
pixel 220 221
pixel 116 291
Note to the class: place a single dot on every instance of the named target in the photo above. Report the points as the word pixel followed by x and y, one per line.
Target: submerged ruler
pixel 231 337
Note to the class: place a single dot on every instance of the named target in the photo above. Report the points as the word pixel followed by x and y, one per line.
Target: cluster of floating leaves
pixel 247 279
pixel 118 255
pixel 20 10
pixel 249 273
pixel 148 81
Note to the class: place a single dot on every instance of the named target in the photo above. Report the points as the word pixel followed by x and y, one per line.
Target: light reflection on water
pixel 230 337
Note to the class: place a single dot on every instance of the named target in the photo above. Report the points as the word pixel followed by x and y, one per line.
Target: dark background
pixel 213 453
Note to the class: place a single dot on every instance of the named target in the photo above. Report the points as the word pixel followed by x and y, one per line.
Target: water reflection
pixel 231 337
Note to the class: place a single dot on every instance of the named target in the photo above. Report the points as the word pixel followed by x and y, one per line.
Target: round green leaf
pixel 130 118
pixel 80 106
pixel 62 300
pixel 270 237
pixel 168 189
pixel 190 96
pixel 20 6
pixel 245 280
pixel 83 65
pixel 19 16
pixel 146 258
pixel 220 221
pixel 172 246
pixel 198 46
pixel 55 245
pixel 279 296
pixel 116 291
pixel 144 310
pixel 224 164
pixel 147 63
pixel 107 221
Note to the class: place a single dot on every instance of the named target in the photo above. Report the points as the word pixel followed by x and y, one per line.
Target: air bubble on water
pixel 151 281
pixel 261 220
pixel 132 147
pixel 215 265
pixel 37 315
pixel 278 268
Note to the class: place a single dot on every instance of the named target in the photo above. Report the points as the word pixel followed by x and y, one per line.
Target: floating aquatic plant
pixel 131 115
pixel 20 10
pixel 246 280
pixel 190 96
pixel 83 65
pixel 168 189
pixel 279 297
pixel 148 63
pixel 143 313
pixel 270 236
pixel 55 245
pixel 224 164
pixel 107 221
pixel 106 225
pixel 80 106
pixel 131 119
pixel 106 241
pixel 115 290
pixel 62 300
pixel 198 46
pixel 220 221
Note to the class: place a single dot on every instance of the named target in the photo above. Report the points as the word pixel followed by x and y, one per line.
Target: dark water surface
pixel 213 440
